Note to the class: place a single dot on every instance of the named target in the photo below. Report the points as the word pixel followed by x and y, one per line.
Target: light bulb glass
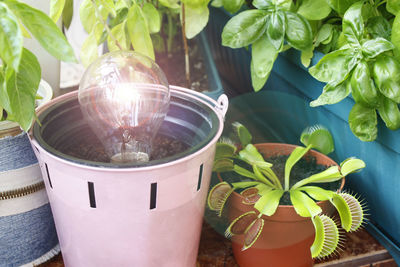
pixel 124 97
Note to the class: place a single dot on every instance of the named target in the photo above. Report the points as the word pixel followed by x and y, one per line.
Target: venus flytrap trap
pixel 264 189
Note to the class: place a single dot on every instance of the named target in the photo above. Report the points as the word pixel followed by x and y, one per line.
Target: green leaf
pixel 303 204
pixel 269 202
pixel 393 6
pixel 152 16
pixel 294 157
pixel 251 155
pixel 108 6
pixel 344 211
pixel 264 4
pixel 389 112
pixel 217 3
pixel 263 56
pixel 331 174
pixel 38 23
pixel 372 48
pixel 196 3
pixel 260 177
pixel 351 165
pixel 232 6
pixel 263 188
pixel 353 24
pixel 324 33
pixel 11 40
pixel 340 6
pixel 122 13
pixel 314 9
pixel 362 121
pixel 87 15
pixel 244 172
pixel 335 66
pixel 298 31
pixel 271 175
pixel 332 94
pixel 173 4
pixel 363 87
pixel 4 98
pixel 368 11
pixel 242 133
pixel 257 82
pixel 196 19
pixel 317 193
pixel 89 50
pixel 22 88
pixel 245 184
pixel 118 34
pixel 395 37
pixel 67 13
pixel 25 32
pixel 319 138
pixel 244 28
pixel 386 77
pixel 223 165
pixel 56 9
pixel 276 30
pixel 306 56
pixel 379 27
pixel 138 32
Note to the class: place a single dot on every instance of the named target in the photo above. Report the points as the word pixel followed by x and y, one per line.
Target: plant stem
pixel 170 37
pixel 185 46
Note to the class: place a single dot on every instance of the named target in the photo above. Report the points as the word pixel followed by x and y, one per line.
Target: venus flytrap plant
pixel 264 189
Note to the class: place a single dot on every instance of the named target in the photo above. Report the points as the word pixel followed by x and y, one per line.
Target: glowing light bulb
pixel 124 97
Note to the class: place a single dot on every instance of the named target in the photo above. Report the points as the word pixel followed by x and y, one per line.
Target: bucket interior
pixel 189 120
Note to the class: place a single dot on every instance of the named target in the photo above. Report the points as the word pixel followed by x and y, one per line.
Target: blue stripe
pixel 16 152
pixel 27 236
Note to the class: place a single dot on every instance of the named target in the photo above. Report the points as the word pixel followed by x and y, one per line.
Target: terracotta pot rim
pixel 319 154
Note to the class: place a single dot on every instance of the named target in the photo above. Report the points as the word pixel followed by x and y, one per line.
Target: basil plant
pixel 360 40
pixel 261 188
pixel 20 71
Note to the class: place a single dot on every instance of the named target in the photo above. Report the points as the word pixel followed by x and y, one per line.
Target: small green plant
pixel 138 25
pixel 20 71
pixel 360 40
pixel 264 190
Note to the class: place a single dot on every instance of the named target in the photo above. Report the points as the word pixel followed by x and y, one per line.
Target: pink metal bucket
pixel 145 215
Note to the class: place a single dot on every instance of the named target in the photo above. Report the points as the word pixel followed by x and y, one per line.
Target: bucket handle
pixel 221 105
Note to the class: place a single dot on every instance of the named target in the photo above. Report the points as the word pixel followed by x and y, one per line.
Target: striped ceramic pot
pixel 27 232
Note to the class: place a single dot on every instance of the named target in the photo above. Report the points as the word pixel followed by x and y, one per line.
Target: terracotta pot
pixel 286 237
